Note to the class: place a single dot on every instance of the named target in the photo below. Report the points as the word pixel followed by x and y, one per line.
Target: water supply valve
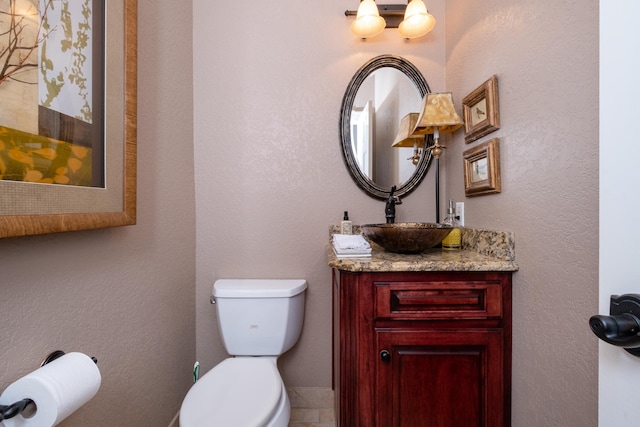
pixel 622 327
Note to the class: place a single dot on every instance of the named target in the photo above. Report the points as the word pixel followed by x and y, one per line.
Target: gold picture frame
pixel 30 209
pixel 481 111
pixel 482 169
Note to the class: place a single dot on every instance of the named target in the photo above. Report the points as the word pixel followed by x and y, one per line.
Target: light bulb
pixel 368 21
pixel 417 20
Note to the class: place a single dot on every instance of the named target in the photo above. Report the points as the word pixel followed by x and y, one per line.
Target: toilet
pixel 258 321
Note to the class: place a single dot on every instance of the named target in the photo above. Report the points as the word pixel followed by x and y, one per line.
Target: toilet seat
pixel 240 391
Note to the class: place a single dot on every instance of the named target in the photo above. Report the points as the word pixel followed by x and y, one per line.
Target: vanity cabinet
pixel 429 348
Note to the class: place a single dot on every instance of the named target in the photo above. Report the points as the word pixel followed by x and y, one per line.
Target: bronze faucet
pixel 390 206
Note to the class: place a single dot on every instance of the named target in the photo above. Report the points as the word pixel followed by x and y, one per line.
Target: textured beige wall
pixel 269 79
pixel 123 295
pixel 269 176
pixel 546 57
pixel 270 179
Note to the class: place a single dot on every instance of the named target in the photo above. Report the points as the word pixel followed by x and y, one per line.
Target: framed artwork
pixel 482 169
pixel 68 115
pixel 481 111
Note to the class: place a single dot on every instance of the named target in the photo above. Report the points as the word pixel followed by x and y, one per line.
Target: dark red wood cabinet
pixel 414 349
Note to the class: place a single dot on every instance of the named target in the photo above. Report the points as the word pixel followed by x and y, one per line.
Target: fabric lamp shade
pixel 438 115
pixel 406 137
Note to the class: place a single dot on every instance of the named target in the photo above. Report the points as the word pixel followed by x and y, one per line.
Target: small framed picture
pixel 481 111
pixel 482 169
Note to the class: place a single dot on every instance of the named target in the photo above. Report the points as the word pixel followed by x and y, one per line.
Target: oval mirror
pixel 379 96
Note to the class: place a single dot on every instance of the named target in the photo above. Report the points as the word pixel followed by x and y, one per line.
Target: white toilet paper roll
pixel 58 389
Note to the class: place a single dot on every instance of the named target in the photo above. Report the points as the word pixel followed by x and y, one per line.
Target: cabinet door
pixel 439 378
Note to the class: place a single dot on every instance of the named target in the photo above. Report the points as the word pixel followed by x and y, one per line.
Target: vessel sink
pixel 406 237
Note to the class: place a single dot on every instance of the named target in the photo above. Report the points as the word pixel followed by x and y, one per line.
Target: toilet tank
pixel 259 317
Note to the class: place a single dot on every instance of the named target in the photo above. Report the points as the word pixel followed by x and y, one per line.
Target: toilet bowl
pixel 240 391
pixel 258 321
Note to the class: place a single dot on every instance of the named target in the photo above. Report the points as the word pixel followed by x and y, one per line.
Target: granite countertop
pixel 482 250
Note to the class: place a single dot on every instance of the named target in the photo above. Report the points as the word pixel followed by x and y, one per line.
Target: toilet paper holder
pixel 622 327
pixel 25 406
pixel 10 411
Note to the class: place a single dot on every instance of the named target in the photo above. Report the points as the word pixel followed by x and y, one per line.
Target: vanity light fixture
pixel 438 116
pixel 407 138
pixel 412 20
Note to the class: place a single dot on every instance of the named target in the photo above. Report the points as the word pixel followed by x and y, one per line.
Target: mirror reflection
pixel 381 95
pixel 384 98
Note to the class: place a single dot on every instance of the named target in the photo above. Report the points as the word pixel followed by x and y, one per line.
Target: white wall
pixel 619 372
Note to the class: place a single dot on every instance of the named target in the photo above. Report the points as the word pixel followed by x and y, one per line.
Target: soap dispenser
pixel 453 239
pixel 346 227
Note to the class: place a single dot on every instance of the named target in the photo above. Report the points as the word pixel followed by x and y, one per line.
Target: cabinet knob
pixel 385 356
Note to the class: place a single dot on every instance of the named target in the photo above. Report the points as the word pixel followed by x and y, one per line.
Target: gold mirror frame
pixel 44 223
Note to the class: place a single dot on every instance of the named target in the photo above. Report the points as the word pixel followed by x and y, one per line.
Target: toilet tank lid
pixel 258 288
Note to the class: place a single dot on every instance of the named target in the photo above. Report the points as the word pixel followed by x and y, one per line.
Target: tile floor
pixel 311 407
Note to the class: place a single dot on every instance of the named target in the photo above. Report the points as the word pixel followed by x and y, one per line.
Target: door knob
pixel 385 356
pixel 622 327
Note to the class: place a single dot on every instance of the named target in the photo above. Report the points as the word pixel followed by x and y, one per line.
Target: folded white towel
pixel 341 252
pixel 360 254
pixel 350 241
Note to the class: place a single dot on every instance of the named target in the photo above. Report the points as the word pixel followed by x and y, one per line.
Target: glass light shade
pixel 368 21
pixel 406 137
pixel 438 115
pixel 417 20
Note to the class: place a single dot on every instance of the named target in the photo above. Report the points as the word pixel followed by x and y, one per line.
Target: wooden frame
pixel 482 169
pixel 481 111
pixel 43 213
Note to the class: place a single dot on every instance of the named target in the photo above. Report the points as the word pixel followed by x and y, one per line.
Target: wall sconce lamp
pixel 407 138
pixel 412 20
pixel 438 116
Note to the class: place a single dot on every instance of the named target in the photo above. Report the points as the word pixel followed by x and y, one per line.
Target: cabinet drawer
pixel 438 300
